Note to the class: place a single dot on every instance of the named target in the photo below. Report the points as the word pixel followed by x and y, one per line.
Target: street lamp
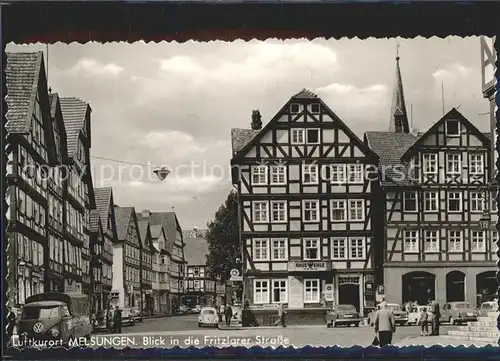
pixel 162 173
pixel 485 220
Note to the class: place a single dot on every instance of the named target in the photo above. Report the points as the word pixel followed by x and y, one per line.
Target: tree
pixel 223 239
pixel 256 120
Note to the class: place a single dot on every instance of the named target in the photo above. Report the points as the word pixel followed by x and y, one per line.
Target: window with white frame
pixel 310 174
pixel 476 164
pixel 278 175
pixel 410 201
pixel 278 211
pixel 410 242
pixel 261 249
pixel 356 173
pixel 476 202
pixel 357 248
pixel 312 136
pixel 453 163
pixel 356 210
pixel 431 239
pixel 477 243
pixel 455 241
pixel 338 173
pixel 261 291
pixel 298 136
pixel 260 211
pixel 259 175
pixel 430 161
pixel 431 201
pixel 311 290
pixel 494 237
pixel 452 127
pixel 311 211
pixel 280 291
pixel 454 201
pixel 311 249
pixel 338 210
pixel 339 247
pixel 279 249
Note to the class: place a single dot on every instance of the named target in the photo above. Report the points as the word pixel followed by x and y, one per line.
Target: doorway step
pixel 484 330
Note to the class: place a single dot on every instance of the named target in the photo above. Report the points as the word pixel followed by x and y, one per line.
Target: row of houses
pixel 63 234
pixel 401 214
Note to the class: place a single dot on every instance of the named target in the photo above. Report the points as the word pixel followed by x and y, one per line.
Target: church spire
pixel 399 117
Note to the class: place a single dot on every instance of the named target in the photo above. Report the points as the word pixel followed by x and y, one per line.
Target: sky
pixel 172 104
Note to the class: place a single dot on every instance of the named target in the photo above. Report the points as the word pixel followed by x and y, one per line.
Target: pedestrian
pixel 423 322
pixel 437 313
pixel 246 305
pixel 408 307
pixel 282 315
pixel 117 320
pixel 228 314
pixel 109 319
pixel 11 324
pixel 384 324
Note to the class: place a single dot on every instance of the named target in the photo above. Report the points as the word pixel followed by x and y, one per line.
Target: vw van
pixel 55 316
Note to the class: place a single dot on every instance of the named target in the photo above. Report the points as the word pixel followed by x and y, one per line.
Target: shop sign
pixel 307 266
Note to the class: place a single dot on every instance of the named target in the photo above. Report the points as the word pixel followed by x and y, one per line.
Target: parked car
pixel 100 321
pixel 414 315
pixel 196 309
pixel 128 318
pixel 343 315
pixel 208 317
pixel 486 307
pixel 183 310
pixel 400 316
pixel 458 312
pixel 137 314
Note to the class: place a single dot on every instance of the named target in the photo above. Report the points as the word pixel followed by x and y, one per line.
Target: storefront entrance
pixel 455 286
pixel 487 286
pixel 349 291
pixel 419 287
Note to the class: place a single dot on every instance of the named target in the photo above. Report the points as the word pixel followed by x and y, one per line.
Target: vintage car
pixel 196 309
pixel 100 321
pixel 208 317
pixel 343 315
pixel 458 313
pixel 414 315
pixel 400 316
pixel 487 307
pixel 128 318
pixel 137 314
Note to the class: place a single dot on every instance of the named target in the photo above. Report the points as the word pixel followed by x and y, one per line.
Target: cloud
pixel 94 67
pixel 451 71
pixel 171 143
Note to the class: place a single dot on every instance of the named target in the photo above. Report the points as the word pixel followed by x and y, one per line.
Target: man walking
pixel 436 314
pixel 228 314
pixel 384 324
pixel 117 320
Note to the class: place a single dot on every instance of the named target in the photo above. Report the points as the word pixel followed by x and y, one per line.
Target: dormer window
pixel 315 108
pixel 452 127
pixel 294 108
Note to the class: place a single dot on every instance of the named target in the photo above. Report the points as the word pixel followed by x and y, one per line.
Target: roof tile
pixel 74 112
pixel 122 219
pixel 196 251
pixel 22 73
pixel 241 137
pixel 167 220
pixel 103 201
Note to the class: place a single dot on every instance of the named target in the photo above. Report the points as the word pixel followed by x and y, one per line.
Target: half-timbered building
pixel 147 301
pixel 305 205
pixel 78 195
pixel 435 185
pixel 29 150
pixel 127 259
pixel 174 249
pixel 105 208
pixel 161 262
pixel 96 260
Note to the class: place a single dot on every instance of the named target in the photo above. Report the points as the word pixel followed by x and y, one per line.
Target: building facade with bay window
pixel 305 209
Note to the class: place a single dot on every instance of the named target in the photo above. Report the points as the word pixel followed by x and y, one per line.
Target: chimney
pixel 145 213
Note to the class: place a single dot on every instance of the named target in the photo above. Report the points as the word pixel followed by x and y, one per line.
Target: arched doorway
pixel 487 286
pixel 455 286
pixel 349 291
pixel 419 286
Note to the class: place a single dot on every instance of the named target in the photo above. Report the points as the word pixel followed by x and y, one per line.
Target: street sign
pixel 236 278
pixel 329 292
pixel 234 272
pixel 380 289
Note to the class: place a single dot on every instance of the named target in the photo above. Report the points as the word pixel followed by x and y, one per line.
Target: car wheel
pixel 199 324
pixel 328 325
pixel 356 324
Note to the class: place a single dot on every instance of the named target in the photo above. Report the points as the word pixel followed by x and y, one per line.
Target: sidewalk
pixel 159 315
pixel 429 341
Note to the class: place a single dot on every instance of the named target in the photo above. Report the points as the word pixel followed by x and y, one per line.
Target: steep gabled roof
pixel 452 114
pixel 74 113
pixel 196 251
pixel 241 136
pixel 103 202
pixel 170 223
pixel 144 231
pixel 21 74
pixel 122 216
pixel 390 147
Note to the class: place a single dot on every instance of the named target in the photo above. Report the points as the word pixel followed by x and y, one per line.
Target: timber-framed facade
pixel 305 206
